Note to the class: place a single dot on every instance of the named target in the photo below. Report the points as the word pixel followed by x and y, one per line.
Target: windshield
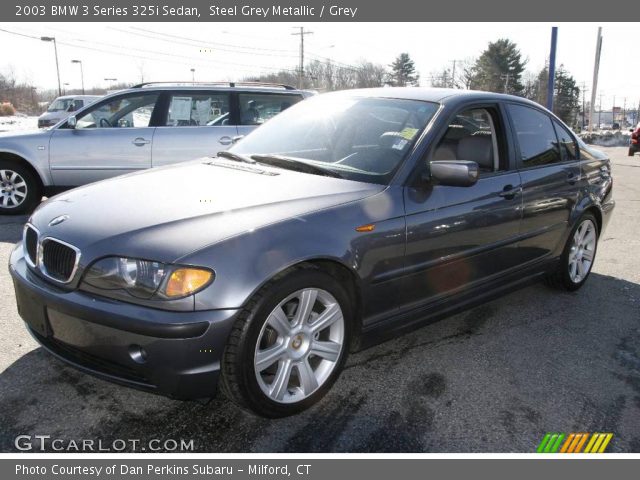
pixel 60 105
pixel 358 138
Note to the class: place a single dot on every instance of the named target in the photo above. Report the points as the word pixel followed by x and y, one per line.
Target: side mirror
pixel 454 173
pixel 72 121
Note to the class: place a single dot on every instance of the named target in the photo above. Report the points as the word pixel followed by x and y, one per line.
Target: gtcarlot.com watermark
pixel 47 443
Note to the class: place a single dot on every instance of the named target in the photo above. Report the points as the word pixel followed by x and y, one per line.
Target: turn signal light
pixel 185 281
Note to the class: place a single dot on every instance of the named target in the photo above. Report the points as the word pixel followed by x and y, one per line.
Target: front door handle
pixel 139 142
pixel 226 140
pixel 509 192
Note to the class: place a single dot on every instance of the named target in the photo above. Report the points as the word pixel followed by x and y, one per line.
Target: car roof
pixel 66 97
pixel 222 86
pixel 428 94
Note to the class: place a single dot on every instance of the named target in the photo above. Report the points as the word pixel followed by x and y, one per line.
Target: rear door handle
pixel 226 140
pixel 139 142
pixel 572 178
pixel 509 192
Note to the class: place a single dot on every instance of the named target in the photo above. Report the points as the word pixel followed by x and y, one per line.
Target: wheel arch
pixel 597 213
pixel 20 160
pixel 588 206
pixel 346 276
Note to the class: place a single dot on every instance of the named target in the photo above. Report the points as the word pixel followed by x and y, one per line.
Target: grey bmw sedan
pixel 348 218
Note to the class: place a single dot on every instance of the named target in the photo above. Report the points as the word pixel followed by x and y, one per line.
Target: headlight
pixel 145 278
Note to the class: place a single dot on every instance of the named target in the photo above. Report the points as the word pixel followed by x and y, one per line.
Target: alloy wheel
pixel 299 345
pixel 13 189
pixel 582 251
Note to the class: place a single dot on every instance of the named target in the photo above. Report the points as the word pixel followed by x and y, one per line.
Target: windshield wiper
pixel 236 157
pixel 295 164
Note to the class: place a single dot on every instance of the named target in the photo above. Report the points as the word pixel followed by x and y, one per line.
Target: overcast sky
pixel 231 51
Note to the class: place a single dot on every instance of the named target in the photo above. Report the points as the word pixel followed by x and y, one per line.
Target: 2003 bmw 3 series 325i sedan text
pixel 348 217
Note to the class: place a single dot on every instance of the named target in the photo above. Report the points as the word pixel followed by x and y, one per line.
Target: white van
pixel 64 106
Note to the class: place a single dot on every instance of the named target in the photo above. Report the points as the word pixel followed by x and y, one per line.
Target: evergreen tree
pixel 566 94
pixel 403 71
pixel 499 68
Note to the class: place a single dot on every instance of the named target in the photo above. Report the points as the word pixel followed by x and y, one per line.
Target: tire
pixel 631 152
pixel 570 277
pixel 20 189
pixel 267 345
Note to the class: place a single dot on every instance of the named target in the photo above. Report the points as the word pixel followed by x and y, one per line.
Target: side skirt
pixel 421 316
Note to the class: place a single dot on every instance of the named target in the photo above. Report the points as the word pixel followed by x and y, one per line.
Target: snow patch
pixel 606 138
pixel 17 123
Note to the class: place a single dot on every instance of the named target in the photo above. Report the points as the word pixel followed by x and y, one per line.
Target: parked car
pixel 349 217
pixel 634 147
pixel 146 126
pixel 64 106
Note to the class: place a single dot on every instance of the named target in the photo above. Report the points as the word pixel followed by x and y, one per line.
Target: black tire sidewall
pixel 254 396
pixel 34 190
pixel 566 278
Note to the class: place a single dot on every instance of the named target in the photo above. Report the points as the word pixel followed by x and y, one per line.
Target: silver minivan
pixel 146 126
pixel 64 106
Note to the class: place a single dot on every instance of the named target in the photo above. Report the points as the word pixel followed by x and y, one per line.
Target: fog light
pixel 138 354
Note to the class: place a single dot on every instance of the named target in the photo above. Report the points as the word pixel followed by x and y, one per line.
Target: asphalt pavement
pixel 492 379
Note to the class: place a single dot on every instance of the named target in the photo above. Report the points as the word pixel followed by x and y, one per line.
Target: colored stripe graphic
pixel 573 442
pixel 567 443
pixel 583 439
pixel 606 441
pixel 543 443
pixel 592 441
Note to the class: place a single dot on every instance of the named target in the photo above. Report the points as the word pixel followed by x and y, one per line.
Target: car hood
pixel 165 213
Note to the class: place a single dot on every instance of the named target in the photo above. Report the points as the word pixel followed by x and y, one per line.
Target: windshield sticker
pixel 409 133
pixel 399 144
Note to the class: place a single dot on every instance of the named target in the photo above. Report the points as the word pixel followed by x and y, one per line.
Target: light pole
pixel 552 68
pixel 193 75
pixel 81 73
pixel 55 49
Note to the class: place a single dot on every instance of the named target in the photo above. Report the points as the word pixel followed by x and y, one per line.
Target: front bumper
pixel 171 353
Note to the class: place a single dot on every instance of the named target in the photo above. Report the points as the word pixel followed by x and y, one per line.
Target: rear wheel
pixel 631 152
pixel 578 256
pixel 20 190
pixel 290 344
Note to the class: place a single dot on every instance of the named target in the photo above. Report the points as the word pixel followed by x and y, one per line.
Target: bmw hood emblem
pixel 58 220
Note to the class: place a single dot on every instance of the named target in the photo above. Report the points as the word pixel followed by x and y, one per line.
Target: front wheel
pixel 20 190
pixel 289 345
pixel 578 256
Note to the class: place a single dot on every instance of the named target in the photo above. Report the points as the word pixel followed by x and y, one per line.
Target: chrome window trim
pixel 43 269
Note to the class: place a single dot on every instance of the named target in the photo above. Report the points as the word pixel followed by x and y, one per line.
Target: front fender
pixel 246 262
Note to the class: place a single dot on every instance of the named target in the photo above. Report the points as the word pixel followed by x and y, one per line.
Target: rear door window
pixel 188 109
pixel 536 136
